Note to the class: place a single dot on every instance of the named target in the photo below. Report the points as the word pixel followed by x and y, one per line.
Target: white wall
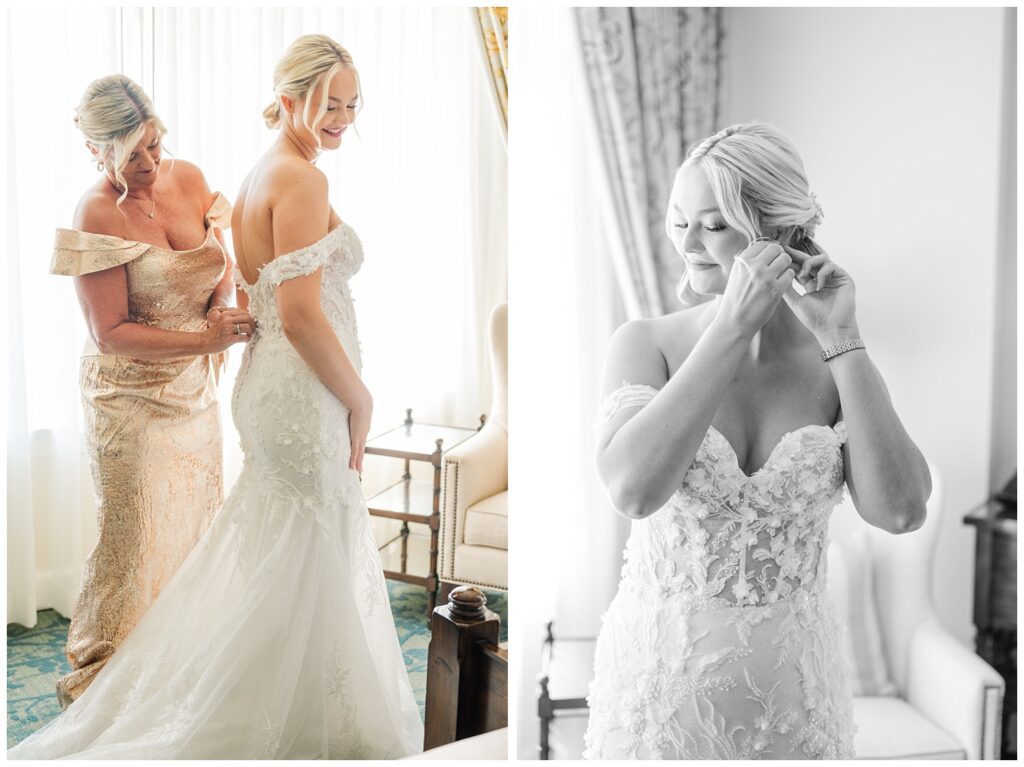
pixel 896 113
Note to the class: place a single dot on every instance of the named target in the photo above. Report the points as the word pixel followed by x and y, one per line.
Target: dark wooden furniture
pixel 565 674
pixel 414 500
pixel 995 602
pixel 467 670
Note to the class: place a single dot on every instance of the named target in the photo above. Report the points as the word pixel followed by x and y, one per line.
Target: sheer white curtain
pixel 564 266
pixel 50 55
pixel 423 183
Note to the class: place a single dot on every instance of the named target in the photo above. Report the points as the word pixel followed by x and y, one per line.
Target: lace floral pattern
pixel 274 639
pixel 720 643
pixel 289 424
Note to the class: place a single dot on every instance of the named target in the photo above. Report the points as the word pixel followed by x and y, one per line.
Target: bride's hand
pixel 358 429
pixel 828 307
pixel 760 275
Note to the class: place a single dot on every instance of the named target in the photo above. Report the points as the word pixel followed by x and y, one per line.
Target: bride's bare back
pixel 279 187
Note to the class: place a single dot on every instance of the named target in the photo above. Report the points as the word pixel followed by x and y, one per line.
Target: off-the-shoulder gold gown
pixel 152 430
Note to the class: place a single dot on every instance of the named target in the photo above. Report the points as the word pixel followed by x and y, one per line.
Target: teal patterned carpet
pixel 35 657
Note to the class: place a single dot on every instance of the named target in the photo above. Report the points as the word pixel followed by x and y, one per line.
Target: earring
pixel 99 165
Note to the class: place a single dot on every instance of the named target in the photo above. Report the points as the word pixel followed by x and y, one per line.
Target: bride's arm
pixel 643 454
pixel 887 476
pixel 301 217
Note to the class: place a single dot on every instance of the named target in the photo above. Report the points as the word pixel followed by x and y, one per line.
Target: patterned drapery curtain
pixel 493 24
pixel 654 81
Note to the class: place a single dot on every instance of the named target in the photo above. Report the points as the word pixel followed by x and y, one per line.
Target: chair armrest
pixel 473 471
pixel 956 689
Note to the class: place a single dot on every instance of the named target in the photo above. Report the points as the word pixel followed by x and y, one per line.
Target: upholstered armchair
pixel 919 692
pixel 474 494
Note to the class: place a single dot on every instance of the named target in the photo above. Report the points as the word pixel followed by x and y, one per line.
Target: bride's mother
pixel 154 283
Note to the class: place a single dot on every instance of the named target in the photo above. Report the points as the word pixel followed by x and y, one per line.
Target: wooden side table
pixel 995 603
pixel 565 675
pixel 413 500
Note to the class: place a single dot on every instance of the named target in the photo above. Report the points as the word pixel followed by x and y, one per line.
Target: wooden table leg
pixel 405 546
pixel 435 526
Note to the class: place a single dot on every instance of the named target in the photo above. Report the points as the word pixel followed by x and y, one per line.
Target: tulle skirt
pixel 275 639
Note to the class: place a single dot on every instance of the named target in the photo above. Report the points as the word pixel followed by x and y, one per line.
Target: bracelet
pixel 845 346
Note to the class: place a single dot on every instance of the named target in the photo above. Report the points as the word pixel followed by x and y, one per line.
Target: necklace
pixel 152 212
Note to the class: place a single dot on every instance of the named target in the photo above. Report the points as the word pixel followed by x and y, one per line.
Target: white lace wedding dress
pixel 721 643
pixel 275 638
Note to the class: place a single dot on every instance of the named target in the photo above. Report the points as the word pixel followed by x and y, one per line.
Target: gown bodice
pixel 728 539
pixel 720 642
pixel 340 254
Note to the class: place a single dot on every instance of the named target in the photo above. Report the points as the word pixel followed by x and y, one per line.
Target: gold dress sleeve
pixel 76 253
pixel 219 214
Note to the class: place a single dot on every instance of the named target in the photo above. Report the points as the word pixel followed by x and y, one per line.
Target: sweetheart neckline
pixel 771 454
pixel 735 456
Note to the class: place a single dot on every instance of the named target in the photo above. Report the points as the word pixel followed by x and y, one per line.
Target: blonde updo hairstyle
pixel 113 115
pixel 761 188
pixel 308 64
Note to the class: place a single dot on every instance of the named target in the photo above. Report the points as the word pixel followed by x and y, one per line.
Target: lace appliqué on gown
pixel 721 643
pixel 275 638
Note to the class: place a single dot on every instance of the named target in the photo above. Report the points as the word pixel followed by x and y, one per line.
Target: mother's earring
pixel 99 165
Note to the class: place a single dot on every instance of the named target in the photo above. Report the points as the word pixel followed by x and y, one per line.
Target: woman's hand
pixel 226 326
pixel 828 308
pixel 760 276
pixel 358 429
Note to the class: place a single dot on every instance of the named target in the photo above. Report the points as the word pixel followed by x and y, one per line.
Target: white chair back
pixel 901 574
pixel 499 366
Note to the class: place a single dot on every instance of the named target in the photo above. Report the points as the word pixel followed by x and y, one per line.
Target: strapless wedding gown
pixel 721 642
pixel 275 638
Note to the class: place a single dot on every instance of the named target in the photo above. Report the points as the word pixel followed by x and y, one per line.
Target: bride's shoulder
pixel 286 169
pixel 645 351
pixel 635 354
pixel 664 334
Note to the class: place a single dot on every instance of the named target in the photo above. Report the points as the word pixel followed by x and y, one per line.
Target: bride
pixel 727 432
pixel 275 638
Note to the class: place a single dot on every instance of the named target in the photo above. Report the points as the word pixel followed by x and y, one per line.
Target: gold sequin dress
pixel 152 430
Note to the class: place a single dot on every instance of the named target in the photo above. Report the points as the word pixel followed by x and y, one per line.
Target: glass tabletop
pixel 405 497
pixel 419 439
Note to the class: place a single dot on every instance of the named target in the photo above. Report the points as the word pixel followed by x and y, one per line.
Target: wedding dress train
pixel 275 638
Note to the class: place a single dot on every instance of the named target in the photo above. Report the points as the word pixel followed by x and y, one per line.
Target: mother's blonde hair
pixel 760 185
pixel 308 64
pixel 113 115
